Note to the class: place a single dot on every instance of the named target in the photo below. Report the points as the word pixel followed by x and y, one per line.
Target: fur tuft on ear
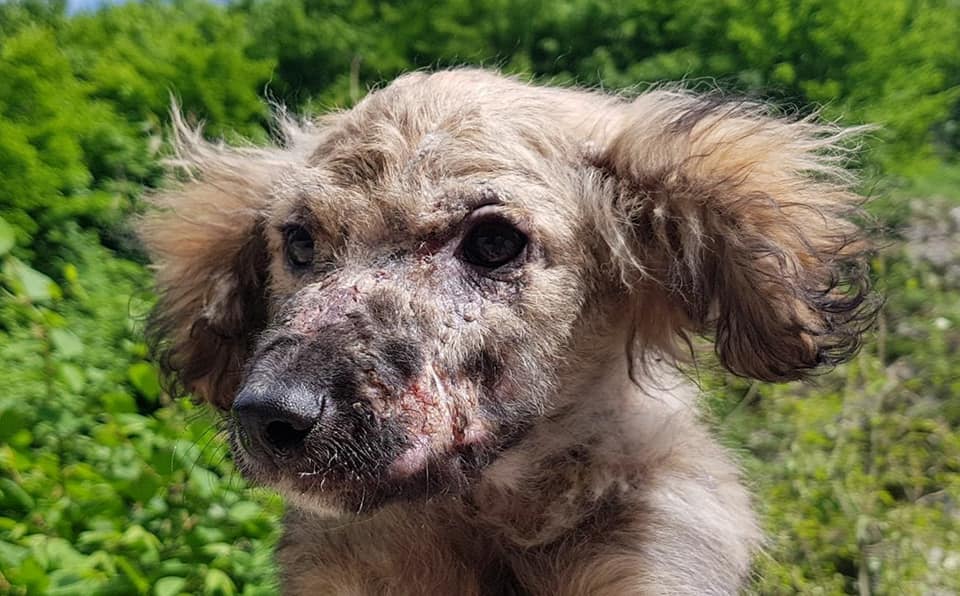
pixel 206 241
pixel 726 220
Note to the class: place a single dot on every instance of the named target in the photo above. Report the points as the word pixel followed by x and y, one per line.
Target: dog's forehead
pixel 410 206
pixel 414 158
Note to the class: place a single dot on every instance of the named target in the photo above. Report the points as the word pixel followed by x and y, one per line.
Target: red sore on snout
pixel 438 410
pixel 441 417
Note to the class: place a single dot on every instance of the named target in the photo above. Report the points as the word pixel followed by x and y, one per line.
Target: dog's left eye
pixel 492 244
pixel 299 247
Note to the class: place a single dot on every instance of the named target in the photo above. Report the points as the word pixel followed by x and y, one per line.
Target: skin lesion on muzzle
pixel 353 402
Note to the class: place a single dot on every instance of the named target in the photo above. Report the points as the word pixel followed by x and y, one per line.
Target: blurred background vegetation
pixel 110 486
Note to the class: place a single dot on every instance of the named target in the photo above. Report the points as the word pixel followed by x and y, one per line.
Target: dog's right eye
pixel 492 244
pixel 299 247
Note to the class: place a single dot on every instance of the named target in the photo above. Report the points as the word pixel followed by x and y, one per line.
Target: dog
pixel 451 325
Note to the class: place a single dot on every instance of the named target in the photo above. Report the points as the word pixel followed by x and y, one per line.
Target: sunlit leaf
pixel 243 511
pixel 31 283
pixel 218 583
pixel 139 581
pixel 118 402
pixel 144 377
pixel 72 375
pixel 13 495
pixel 66 343
pixel 169 586
pixel 7 237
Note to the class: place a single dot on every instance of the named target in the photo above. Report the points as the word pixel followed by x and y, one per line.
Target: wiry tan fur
pixel 661 217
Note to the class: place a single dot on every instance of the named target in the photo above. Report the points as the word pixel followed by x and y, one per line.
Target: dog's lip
pixel 414 465
pixel 411 461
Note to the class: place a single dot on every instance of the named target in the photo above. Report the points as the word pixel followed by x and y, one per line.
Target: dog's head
pixel 399 293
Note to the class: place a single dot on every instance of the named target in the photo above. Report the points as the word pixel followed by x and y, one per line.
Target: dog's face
pixel 402 293
pixel 414 326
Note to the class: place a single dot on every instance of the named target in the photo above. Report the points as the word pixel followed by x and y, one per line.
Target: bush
pixel 109 485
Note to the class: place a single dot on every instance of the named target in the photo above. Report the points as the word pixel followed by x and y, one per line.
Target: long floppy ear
pixel 206 240
pixel 727 221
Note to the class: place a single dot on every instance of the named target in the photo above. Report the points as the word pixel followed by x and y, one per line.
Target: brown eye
pixel 492 244
pixel 299 247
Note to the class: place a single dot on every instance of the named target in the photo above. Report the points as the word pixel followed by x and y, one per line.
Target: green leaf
pixel 61 554
pixel 139 581
pixel 203 482
pixel 144 377
pixel 12 554
pixel 31 283
pixel 118 402
pixel 12 495
pixel 217 549
pixel 31 574
pixel 169 586
pixel 7 237
pixel 243 511
pixel 140 539
pixel 66 343
pixel 12 420
pixel 72 376
pixel 143 488
pixel 218 583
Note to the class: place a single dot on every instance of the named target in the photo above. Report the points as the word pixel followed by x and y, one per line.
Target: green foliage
pixel 106 485
pixel 858 474
pixel 17 14
pixel 84 99
pixel 109 485
pixel 47 127
pixel 137 56
pixel 895 62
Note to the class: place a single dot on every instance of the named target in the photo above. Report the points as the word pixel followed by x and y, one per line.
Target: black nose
pixel 276 421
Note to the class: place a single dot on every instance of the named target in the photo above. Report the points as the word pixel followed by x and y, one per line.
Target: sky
pixel 78 5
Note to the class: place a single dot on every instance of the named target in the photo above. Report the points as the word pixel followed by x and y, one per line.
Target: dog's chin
pixel 412 476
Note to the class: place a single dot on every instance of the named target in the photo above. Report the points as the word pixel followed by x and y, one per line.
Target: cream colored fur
pixel 661 217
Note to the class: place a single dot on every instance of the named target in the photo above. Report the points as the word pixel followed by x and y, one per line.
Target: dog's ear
pixel 206 240
pixel 727 221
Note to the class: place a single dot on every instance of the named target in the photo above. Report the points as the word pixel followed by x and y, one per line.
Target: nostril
pixel 276 422
pixel 284 436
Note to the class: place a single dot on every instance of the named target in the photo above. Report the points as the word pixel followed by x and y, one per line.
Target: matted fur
pixel 500 444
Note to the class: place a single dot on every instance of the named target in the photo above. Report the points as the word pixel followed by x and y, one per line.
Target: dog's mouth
pixel 365 443
pixel 359 474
